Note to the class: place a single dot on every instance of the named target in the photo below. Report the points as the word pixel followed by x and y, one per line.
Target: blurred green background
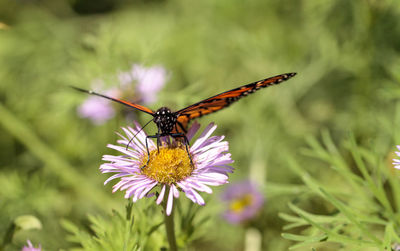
pixel 346 54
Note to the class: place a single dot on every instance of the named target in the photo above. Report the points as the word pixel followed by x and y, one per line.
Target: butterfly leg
pixel 148 153
pixel 186 142
pixel 157 136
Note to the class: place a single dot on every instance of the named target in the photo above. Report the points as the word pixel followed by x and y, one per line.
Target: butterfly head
pixel 165 120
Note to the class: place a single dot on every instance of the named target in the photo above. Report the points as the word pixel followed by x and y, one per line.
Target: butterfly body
pixel 165 120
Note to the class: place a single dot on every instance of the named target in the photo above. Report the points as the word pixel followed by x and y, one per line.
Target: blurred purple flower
pixel 244 202
pixel 149 81
pixel 396 162
pixel 170 168
pixel 125 79
pixel 30 247
pixel 97 109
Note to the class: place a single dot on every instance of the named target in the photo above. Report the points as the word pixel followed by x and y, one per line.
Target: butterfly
pixel 174 124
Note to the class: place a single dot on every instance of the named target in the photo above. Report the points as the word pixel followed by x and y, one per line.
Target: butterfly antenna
pixel 82 90
pixel 134 136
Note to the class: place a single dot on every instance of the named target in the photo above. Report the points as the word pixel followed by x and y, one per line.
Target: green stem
pixel 169 224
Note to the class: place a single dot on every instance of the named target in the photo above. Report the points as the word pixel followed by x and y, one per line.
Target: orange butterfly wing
pixel 133 105
pixel 222 100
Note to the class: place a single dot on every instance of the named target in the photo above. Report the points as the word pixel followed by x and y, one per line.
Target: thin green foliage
pixel 362 215
pixel 129 232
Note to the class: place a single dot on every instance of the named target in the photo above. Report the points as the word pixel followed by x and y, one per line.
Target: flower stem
pixel 169 225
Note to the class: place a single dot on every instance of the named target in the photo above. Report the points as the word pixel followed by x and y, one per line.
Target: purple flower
pixel 98 109
pixel 169 169
pixel 125 78
pixel 30 247
pixel 396 162
pixel 149 81
pixel 244 202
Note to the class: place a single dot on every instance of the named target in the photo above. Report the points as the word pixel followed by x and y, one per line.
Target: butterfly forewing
pixel 133 105
pixel 222 100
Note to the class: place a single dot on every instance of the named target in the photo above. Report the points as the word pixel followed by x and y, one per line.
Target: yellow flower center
pixel 239 204
pixel 170 165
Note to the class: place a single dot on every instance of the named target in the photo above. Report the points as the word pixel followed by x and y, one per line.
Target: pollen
pixel 169 165
pixel 240 204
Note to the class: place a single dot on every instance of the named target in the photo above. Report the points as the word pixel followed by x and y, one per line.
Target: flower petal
pixel 170 202
pixel 161 196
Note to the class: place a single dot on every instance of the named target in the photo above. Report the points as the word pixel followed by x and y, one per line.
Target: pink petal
pixel 192 130
pixel 170 202
pixel 175 190
pixel 161 196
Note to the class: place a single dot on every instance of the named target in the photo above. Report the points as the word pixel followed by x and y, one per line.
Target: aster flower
pixel 149 81
pixel 98 109
pixel 169 169
pixel 125 79
pixel 244 202
pixel 30 247
pixel 396 162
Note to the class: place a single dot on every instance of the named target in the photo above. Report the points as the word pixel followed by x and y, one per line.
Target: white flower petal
pixel 170 202
pixel 161 196
pixel 204 135
pixel 175 190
